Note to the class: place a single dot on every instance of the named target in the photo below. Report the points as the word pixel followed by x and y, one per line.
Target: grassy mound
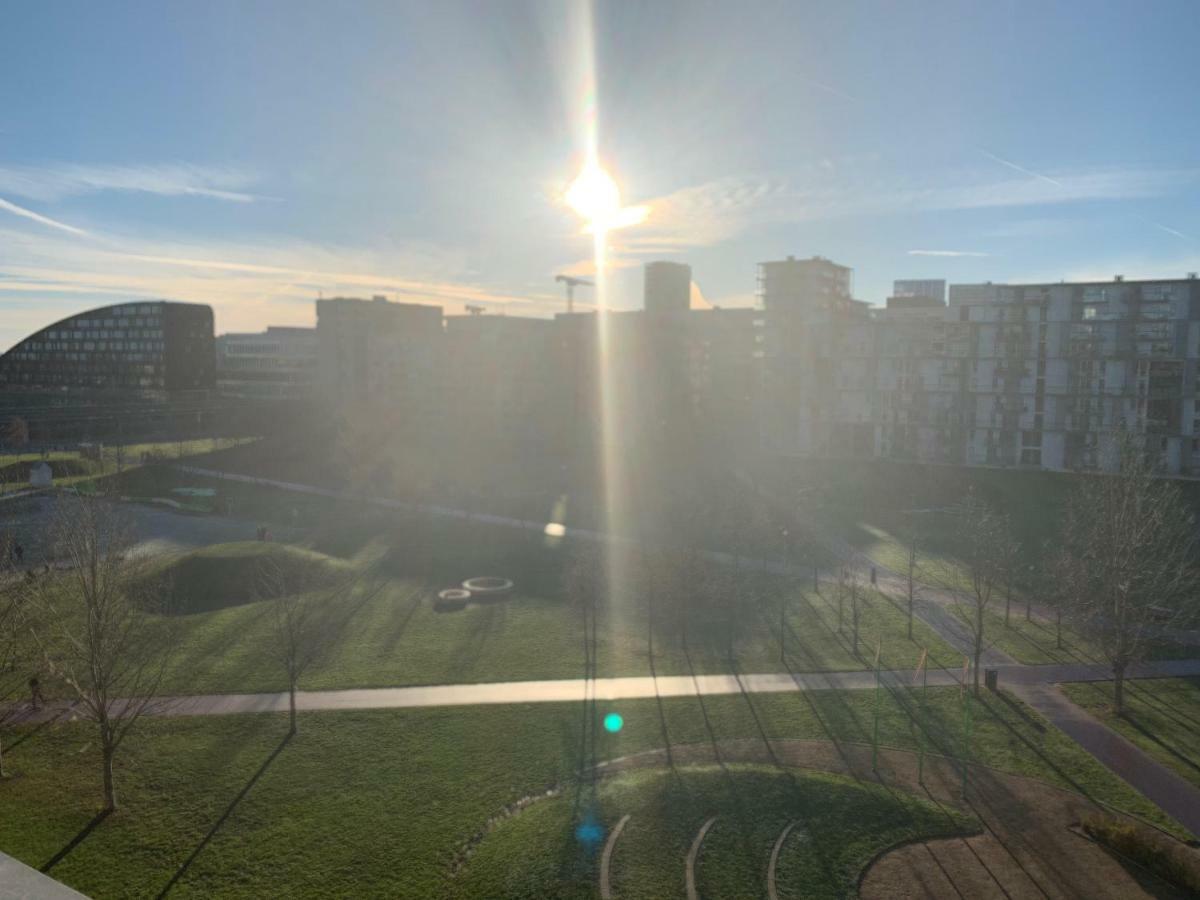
pixel 60 468
pixel 226 575
pixel 553 847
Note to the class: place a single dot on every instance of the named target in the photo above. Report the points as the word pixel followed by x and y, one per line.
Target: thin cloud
pixel 52 183
pixel 1016 168
pixel 39 218
pixel 947 253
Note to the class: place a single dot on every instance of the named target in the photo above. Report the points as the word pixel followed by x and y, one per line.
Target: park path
pixel 1174 795
pixel 613 689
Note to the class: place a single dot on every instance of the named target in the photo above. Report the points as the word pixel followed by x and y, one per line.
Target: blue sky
pixel 252 154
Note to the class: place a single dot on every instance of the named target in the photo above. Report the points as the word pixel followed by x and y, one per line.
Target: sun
pixel 594 195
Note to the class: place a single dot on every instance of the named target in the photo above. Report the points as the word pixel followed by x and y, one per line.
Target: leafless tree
pixel 983 546
pixel 309 609
pixel 1010 557
pixel 585 581
pixel 97 629
pixel 857 601
pixel 16 433
pixel 16 648
pixel 912 560
pixel 1128 554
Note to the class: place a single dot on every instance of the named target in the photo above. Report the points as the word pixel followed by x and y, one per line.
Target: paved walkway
pixel 611 689
pixel 1174 795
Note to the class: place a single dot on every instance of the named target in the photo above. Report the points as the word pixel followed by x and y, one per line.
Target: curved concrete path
pixel 772 891
pixel 690 873
pixel 606 859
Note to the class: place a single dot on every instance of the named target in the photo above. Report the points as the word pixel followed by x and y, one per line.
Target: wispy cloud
pixel 24 213
pixel 715 211
pixel 52 183
pixel 248 284
pixel 947 253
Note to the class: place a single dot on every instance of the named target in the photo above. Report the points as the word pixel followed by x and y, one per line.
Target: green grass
pixel 378 803
pixel 224 575
pixel 395 638
pixel 843 824
pixel 1162 716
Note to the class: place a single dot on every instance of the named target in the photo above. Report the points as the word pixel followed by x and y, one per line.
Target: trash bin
pixel 990 678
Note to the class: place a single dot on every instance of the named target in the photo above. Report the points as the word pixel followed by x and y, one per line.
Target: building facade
pixel 279 363
pixel 131 348
pixel 667 287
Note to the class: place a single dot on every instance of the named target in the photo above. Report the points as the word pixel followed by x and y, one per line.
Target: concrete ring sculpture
pixel 451 600
pixel 488 587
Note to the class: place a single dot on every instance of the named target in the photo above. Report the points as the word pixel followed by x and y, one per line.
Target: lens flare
pixel 596 198
pixel 613 723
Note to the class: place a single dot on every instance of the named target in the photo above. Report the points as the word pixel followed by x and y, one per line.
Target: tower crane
pixel 571 283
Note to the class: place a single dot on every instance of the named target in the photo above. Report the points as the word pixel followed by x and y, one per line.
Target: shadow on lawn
pixel 224 816
pixel 77 840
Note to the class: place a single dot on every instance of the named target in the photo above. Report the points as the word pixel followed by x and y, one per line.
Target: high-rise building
pixel 668 287
pixel 376 350
pixel 812 287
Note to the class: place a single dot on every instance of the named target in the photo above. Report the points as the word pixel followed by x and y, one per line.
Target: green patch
pixel 1162 716
pixel 225 575
pixel 553 847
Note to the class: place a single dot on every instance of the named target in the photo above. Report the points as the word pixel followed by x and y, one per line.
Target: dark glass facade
pixel 149 346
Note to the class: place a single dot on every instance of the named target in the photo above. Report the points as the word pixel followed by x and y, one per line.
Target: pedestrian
pixel 19 552
pixel 35 693
pixel 872 574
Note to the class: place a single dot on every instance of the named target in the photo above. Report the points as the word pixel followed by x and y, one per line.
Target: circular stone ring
pixel 488 586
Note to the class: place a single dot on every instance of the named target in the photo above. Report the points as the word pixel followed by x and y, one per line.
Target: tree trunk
pixel 1119 688
pixel 1007 604
pixel 292 708
pixel 1028 608
pixel 1058 629
pixel 978 645
pixel 110 788
pixel 1 759
pixel 816 584
pixel 782 627
pixel 910 607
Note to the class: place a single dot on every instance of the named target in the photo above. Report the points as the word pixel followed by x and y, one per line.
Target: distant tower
pixel 668 287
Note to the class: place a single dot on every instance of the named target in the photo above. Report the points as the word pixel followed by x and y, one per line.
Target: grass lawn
pixel 395 638
pixel 1162 716
pixel 378 803
pixel 844 823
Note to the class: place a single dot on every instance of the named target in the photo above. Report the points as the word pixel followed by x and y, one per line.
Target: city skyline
pixel 422 153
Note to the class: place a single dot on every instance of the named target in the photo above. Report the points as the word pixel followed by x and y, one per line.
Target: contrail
pixel 40 219
pixel 1021 169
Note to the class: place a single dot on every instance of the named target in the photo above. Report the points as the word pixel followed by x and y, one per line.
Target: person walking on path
pixel 35 694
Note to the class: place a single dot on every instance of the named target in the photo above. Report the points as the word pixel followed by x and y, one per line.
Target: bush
pixel 1152 851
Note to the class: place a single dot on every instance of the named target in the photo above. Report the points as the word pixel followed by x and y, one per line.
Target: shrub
pixel 1149 850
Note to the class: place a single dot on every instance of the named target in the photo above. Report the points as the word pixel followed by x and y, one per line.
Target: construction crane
pixel 474 310
pixel 571 283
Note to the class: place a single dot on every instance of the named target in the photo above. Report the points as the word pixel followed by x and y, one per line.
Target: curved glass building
pixel 148 346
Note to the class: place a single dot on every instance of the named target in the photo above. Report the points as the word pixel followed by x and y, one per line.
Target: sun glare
pixel 594 195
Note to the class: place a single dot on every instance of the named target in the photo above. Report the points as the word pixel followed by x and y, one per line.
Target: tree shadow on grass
pixel 224 816
pixel 77 840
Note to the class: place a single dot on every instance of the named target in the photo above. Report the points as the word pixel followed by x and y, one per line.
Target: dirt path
pixel 1028 847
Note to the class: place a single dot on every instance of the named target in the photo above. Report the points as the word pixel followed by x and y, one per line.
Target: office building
pixel 668 287
pixel 133 348
pixel 279 363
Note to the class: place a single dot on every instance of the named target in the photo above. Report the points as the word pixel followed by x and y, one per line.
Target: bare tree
pixel 983 543
pixel 16 433
pixel 857 600
pixel 1128 554
pixel 308 612
pixel 97 630
pixel 1010 555
pixel 911 562
pixel 16 656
